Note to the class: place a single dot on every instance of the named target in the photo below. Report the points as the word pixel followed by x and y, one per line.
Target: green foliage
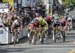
pixel 0 0
pixel 68 2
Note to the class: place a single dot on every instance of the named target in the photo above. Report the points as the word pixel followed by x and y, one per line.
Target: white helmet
pixel 69 18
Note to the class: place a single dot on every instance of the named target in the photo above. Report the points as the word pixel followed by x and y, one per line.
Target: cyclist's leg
pixel 14 32
pixel 53 31
pixel 19 29
pixel 14 35
pixel 63 31
pixel 49 31
pixel 35 37
pixel 30 37
pixel 42 35
pixel 68 26
pixel 18 33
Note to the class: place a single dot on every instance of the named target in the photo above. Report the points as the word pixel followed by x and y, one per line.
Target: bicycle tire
pixel 54 37
pixel 15 37
pixel 42 41
pixel 54 40
pixel 30 37
pixel 35 37
pixel 63 34
pixel 42 37
pixel 34 41
pixel 14 41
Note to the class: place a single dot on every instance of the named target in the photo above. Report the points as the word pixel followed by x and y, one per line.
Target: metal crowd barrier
pixel 6 37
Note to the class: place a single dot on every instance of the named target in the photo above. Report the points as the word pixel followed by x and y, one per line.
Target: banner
pixel 11 2
pixel 4 7
pixel 26 3
pixel 3 35
pixel 5 0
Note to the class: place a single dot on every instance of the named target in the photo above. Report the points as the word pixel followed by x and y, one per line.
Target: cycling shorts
pixel 16 26
pixel 49 22
pixel 63 24
pixel 1 26
pixel 56 24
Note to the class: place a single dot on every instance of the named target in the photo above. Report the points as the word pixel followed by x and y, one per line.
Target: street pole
pixel 51 7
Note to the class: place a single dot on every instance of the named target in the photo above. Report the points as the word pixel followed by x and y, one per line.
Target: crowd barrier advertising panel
pixel 4 35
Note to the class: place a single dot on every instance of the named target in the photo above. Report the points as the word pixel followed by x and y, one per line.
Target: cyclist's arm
pixel 21 27
pixel 46 26
pixel 12 26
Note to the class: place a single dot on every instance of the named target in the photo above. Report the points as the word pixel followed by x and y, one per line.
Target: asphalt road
pixel 37 50
pixel 48 47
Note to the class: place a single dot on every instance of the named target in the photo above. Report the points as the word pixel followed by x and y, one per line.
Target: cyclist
pixel 63 21
pixel 56 21
pixel 63 27
pixel 44 28
pixel 43 23
pixel 56 26
pixel 49 21
pixel 17 25
pixel 69 23
pixel 32 28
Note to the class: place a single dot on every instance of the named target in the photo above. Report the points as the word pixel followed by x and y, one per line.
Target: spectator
pixel 26 20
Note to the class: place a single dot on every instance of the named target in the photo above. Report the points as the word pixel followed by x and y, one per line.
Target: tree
pixel 0 0
pixel 38 2
pixel 69 2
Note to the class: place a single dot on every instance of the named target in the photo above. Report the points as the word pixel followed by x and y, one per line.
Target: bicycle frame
pixel 58 33
pixel 15 36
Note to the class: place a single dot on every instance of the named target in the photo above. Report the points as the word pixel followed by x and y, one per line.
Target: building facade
pixel 21 3
pixel 48 4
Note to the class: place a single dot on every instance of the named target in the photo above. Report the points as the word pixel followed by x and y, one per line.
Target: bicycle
pixel 50 29
pixel 15 36
pixel 32 36
pixel 42 34
pixel 59 34
pixel 63 33
pixel 36 33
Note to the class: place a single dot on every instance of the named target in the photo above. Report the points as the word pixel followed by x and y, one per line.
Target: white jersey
pixel 56 16
pixel 15 22
pixel 69 18
pixel 34 20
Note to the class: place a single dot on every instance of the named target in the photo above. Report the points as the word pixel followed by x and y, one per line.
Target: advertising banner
pixel 4 35
pixel 11 2
pixel 4 7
